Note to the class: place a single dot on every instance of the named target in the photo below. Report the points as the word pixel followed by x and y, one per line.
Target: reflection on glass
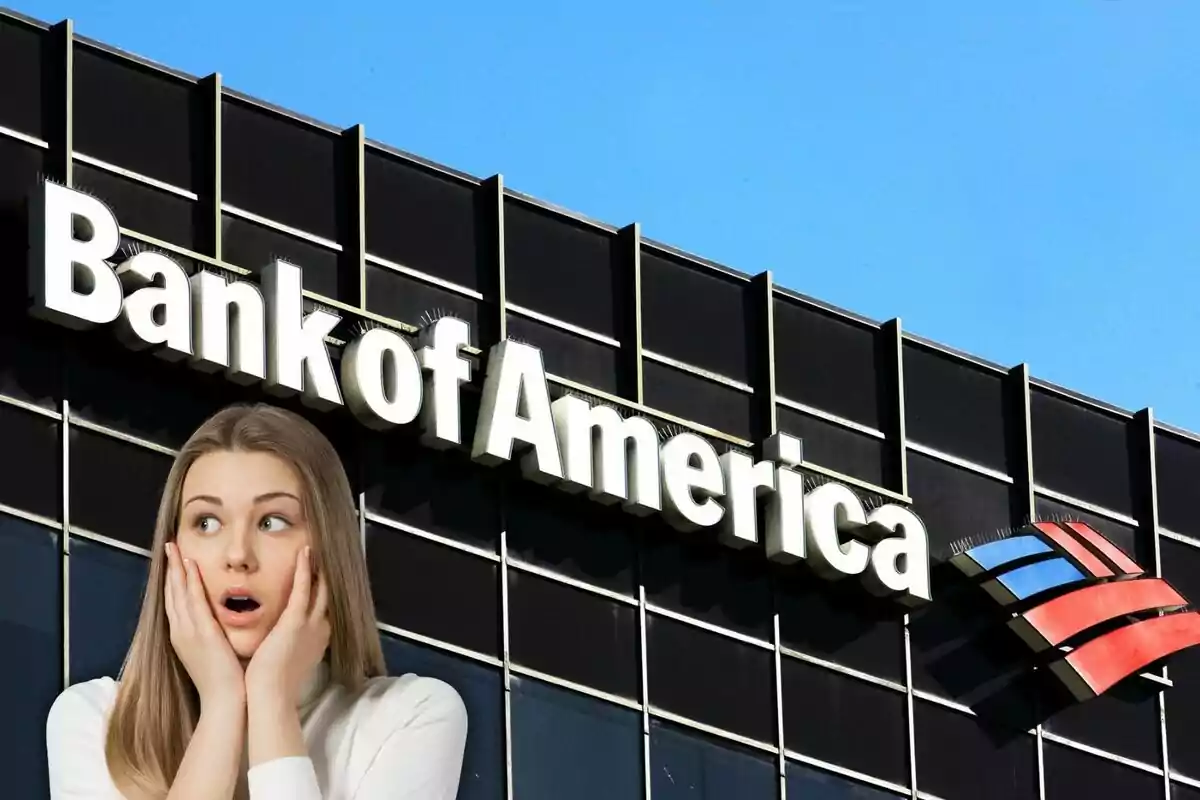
pixel 686 766
pixel 30 675
pixel 106 596
pixel 566 745
pixel 479 686
pixel 812 784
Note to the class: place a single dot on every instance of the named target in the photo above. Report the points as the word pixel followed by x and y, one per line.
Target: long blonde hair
pixel 156 708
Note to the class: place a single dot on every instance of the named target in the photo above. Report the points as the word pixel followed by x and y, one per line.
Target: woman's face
pixel 242 522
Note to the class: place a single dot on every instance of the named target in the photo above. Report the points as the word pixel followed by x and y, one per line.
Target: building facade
pixel 601 655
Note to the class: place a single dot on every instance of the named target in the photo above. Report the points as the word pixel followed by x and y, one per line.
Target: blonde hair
pixel 156 708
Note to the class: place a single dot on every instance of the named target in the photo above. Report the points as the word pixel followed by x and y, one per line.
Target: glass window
pixel 252 246
pixel 1181 791
pixel 1082 452
pixel 424 220
pixel 142 208
pixel 696 399
pixel 809 783
pixel 406 299
pixel 1139 545
pixel 480 688
pixel 23 53
pixel 1071 774
pixel 573 634
pixel 105 598
pixel 955 503
pixel 845 721
pixel 569 356
pixel 692 766
pixel 33 481
pixel 568 745
pixel 1123 721
pixel 282 169
pixel 698 315
pixel 103 468
pixel 987 764
pixel 958 408
pixel 842 450
pixel 560 267
pixel 832 363
pixel 711 678
pixel 1178 461
pixel 434 590
pixel 30 622
pixel 137 117
pixel 1181 568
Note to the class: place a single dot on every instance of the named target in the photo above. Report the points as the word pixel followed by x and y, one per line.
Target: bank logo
pixel 1080 602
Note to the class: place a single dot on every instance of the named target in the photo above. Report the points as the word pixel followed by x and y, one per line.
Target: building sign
pixel 260 333
pixel 1067 583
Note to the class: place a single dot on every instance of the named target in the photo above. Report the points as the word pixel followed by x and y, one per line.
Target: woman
pixel 256 669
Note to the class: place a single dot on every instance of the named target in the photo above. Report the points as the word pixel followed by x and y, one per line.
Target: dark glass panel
pixel 834 447
pixel 434 590
pixel 1178 462
pixel 1134 542
pixel 568 745
pixel 698 315
pixel 136 117
pixel 959 756
pixel 955 503
pixel 1082 452
pixel 572 634
pixel 845 721
pixel 831 363
pixel 812 784
pixel 1181 791
pixel 560 267
pixel 1127 726
pixel 281 169
pixel 1181 568
pixel 711 678
pixel 410 300
pixel 569 356
pixel 692 766
pixel 103 468
pixel 252 246
pixel 1072 774
pixel 956 407
pixel 440 492
pixel 422 219
pixel 23 49
pixel 31 478
pixel 482 692
pixel 30 623
pixel 106 598
pixel 697 399
pixel 571 535
pixel 142 208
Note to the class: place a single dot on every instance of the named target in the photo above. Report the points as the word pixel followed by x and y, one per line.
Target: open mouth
pixel 240 604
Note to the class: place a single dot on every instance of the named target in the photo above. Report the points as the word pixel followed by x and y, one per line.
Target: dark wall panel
pixel 1178 462
pixel 23 51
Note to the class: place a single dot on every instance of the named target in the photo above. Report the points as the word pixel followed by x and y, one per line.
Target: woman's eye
pixel 274 523
pixel 208 524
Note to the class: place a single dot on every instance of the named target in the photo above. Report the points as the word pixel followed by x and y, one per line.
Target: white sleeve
pixel 75 731
pixel 289 778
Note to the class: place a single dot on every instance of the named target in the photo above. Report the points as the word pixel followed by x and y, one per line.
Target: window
pixel 252 246
pixel 106 598
pixel 568 745
pixel 827 444
pixel 103 468
pixel 845 721
pixel 434 590
pixel 406 299
pixel 1071 774
pixel 138 117
pixel 961 756
pixel 1178 465
pixel 30 622
pixel 570 356
pixel 697 399
pixel 424 220
pixel 32 481
pixel 710 678
pixel 565 269
pixel 955 503
pixel 1181 791
pixel 142 208
pixel 1181 568
pixel 1124 721
pixel 812 784
pixel 829 362
pixel 692 766
pixel 480 688
pixel 23 51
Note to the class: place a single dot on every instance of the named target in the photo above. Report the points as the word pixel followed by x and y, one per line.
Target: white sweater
pixel 399 738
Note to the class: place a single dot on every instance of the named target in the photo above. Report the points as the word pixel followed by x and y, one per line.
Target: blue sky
pixel 1017 180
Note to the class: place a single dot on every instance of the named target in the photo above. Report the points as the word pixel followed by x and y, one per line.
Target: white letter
pixel 382 379
pixel 689 490
pixel 228 316
pixel 900 564
pixel 745 482
pixel 826 510
pixel 516 407
pixel 142 324
pixel 440 353
pixel 596 444
pixel 57 258
pixel 297 358
pixel 785 517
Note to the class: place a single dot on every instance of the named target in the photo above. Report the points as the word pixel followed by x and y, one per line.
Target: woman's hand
pixel 197 638
pixel 286 658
